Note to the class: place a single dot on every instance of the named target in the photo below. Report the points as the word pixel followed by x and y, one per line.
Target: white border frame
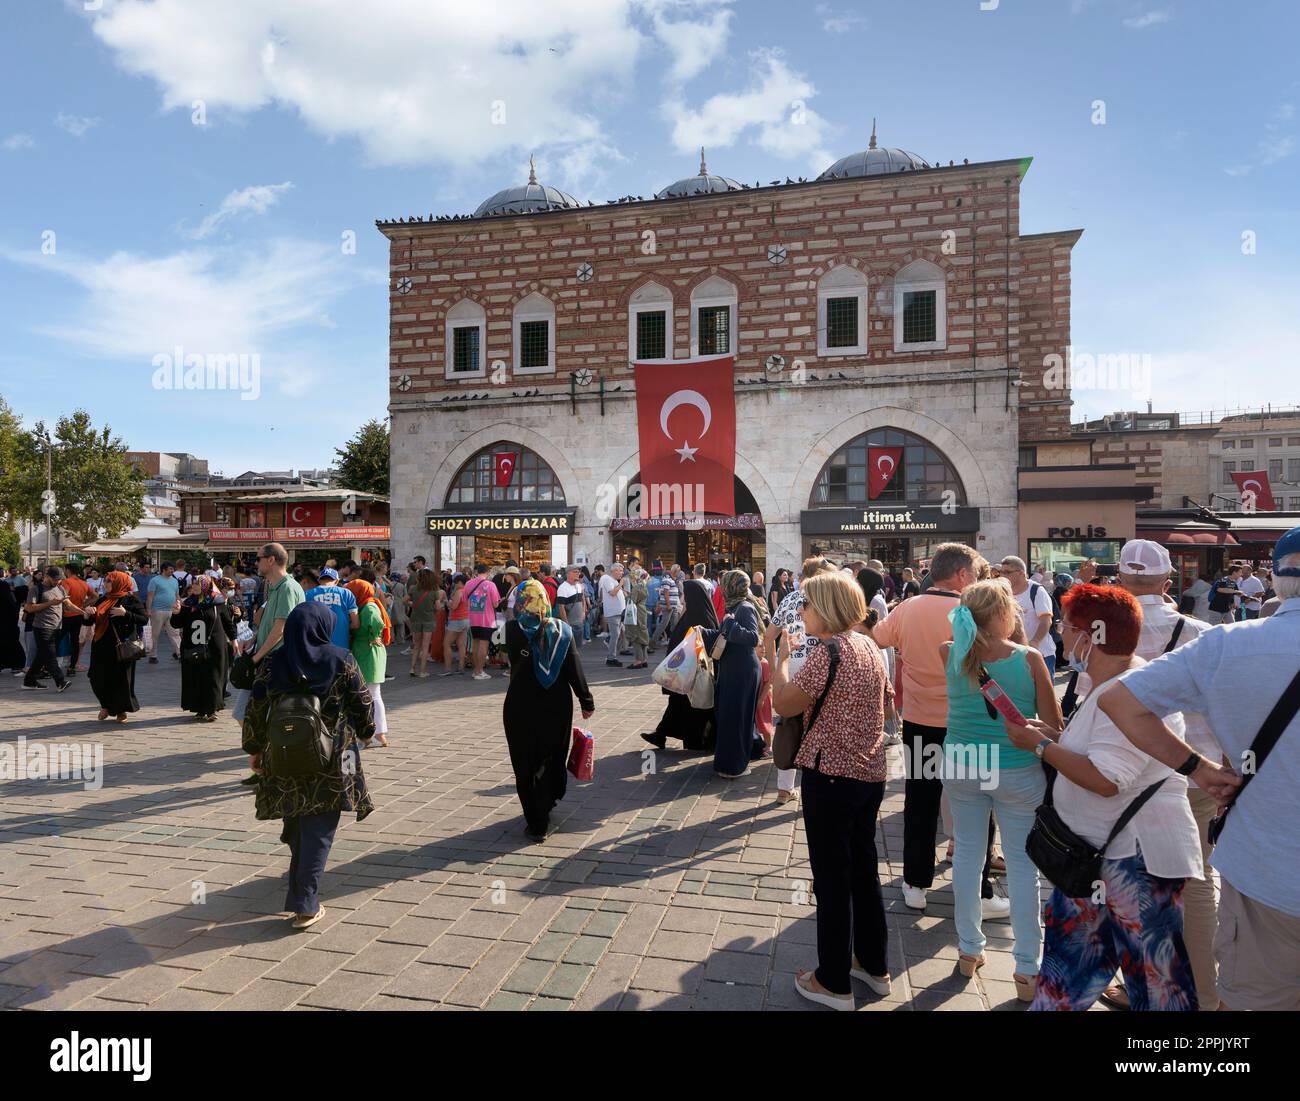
pixel 730 300
pixel 939 285
pixel 521 314
pixel 662 305
pixel 450 323
pixel 825 292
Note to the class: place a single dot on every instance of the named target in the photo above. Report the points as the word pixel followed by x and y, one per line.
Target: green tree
pixel 363 460
pixel 95 488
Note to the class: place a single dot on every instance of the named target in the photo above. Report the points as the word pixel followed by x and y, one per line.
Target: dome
pixel 702 183
pixel 530 197
pixel 874 161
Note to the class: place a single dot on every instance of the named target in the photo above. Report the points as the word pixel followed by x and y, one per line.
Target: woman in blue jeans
pixel 985 774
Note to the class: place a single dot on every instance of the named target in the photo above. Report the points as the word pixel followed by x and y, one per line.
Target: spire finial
pixel 703 171
pixel 532 171
pixel 872 143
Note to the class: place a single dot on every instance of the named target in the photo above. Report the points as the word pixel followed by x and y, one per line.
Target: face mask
pixel 1079 664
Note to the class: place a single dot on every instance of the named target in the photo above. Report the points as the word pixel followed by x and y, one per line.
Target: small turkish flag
pixel 311 516
pixel 882 465
pixel 505 462
pixel 686 428
pixel 1253 487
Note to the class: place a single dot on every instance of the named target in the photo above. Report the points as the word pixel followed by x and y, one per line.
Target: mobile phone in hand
pixel 1002 702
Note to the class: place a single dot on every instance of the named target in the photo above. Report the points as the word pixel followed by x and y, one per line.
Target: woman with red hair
pixel 1133 920
pixel 370 647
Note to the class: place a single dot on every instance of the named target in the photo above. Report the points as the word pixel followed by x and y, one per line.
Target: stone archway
pixel 502 430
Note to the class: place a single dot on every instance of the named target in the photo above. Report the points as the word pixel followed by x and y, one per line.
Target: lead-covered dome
pixel 702 183
pixel 526 199
pixel 874 161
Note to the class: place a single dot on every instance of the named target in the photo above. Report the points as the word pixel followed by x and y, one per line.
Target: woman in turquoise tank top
pixel 983 773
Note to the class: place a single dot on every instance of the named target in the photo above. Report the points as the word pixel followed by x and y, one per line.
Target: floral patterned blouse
pixel 848 739
pixel 349 711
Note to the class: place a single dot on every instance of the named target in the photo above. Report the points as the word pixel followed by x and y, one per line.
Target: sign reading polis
pixel 501 523
pixel 891 520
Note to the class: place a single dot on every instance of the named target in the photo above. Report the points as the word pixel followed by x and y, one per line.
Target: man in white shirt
pixel 613 601
pixel 572 600
pixel 1144 567
pixel 1035 608
pixel 1252 591
pixel 700 571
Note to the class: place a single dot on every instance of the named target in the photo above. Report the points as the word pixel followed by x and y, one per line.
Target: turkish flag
pixel 505 462
pixel 305 516
pixel 1256 482
pixel 686 429
pixel 882 465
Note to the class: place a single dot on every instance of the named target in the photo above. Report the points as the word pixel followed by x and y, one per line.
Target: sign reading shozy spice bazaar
pixel 501 523
pixel 883 520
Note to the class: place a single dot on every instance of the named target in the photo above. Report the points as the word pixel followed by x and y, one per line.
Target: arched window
pixel 650 324
pixel 466 340
pixel 923 476
pixel 713 318
pixel 842 312
pixel 920 308
pixel 534 325
pixel 532 478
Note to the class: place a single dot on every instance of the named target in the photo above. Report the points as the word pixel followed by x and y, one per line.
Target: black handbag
pixel 790 734
pixel 1070 863
pixel 1278 720
pixel 130 649
pixel 241 671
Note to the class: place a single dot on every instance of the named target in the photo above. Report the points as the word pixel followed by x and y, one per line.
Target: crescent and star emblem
pixel 293 513
pixel 685 397
pixel 507 465
pixel 882 460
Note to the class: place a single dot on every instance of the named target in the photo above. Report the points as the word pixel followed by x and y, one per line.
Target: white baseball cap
pixel 1141 557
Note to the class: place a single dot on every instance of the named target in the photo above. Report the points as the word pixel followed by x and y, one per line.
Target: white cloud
pixel 251 200
pixel 15 142
pixel 413 82
pixel 1238 170
pixel 694 41
pixel 838 22
pixel 1149 19
pixel 773 109
pixel 1273 150
pixel 76 125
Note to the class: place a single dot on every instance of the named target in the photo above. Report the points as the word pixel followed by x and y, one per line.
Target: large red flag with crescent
pixel 505 467
pixel 686 428
pixel 882 465
pixel 1255 482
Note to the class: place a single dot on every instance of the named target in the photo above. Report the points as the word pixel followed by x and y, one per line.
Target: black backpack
pixel 298 741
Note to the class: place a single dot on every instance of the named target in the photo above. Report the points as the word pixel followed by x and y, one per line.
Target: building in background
pixel 891 303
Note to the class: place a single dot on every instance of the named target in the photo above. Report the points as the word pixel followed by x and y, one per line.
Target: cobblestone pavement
pixel 669 889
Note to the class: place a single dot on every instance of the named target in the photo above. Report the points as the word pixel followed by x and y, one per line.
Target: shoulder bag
pixel 790 734
pixel 1278 720
pixel 129 649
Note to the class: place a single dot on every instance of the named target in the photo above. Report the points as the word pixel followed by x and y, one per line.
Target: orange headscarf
pixel 365 594
pixel 119 585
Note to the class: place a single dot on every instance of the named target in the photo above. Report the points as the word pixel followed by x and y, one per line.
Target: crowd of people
pixel 1135 769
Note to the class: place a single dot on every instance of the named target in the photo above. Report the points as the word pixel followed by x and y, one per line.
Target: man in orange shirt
pixel 916 628
pixel 78 593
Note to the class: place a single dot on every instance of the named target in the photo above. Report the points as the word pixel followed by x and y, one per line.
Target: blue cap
pixel 1288 544
pixel 333 575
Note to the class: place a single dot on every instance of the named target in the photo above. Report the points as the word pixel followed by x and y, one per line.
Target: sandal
pixel 1116 996
pixel 1026 987
pixel 121 718
pixel 785 796
pixel 103 714
pixel 968 965
pixel 841 1002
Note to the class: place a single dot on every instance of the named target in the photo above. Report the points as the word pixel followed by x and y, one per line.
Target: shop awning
pixel 1181 537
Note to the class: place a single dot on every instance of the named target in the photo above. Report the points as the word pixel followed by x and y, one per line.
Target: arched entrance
pixel 887 494
pixel 721 542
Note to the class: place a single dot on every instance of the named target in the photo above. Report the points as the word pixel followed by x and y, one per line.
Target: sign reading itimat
pixel 503 523
pixel 883 520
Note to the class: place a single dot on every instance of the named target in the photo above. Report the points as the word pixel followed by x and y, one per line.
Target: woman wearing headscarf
pixel 637 634
pixel 374 632
pixel 545 675
pixel 12 655
pixel 206 630
pixel 680 719
pixel 119 615
pixel 739 676
pixel 307 663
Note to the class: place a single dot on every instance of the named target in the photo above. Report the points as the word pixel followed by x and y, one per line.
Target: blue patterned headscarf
pixel 549 638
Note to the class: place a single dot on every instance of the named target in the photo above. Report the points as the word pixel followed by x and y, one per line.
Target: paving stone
pixel 528 977
pixel 425 981
pixel 228 976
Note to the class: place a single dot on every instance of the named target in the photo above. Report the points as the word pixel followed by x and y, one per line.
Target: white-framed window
pixel 920 308
pixel 842 312
pixel 713 318
pixel 1229 445
pixel 650 324
pixel 466 340
pixel 1247 445
pixel 534 325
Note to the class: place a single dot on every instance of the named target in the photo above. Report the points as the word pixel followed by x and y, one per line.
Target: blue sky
pixel 317 118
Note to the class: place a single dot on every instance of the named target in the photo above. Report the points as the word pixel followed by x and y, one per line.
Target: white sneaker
pixel 879 983
pixel 841 1002
pixel 481 676
pixel 996 908
pixel 914 896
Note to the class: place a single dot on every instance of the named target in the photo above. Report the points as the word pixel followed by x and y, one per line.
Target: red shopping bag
pixel 582 755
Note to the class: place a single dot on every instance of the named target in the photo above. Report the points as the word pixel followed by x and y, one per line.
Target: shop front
pixel 307 546
pixel 897 535
pixel 721 542
pixel 1070 514
pixel 531 538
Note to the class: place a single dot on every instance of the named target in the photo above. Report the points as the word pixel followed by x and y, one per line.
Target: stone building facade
pixel 888 302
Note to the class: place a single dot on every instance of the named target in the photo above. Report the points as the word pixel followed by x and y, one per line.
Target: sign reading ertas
pixel 502 523
pixel 884 520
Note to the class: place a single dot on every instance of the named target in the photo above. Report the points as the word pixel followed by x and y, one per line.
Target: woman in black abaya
pixel 12 654
pixel 692 725
pixel 206 630
pixel 118 616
